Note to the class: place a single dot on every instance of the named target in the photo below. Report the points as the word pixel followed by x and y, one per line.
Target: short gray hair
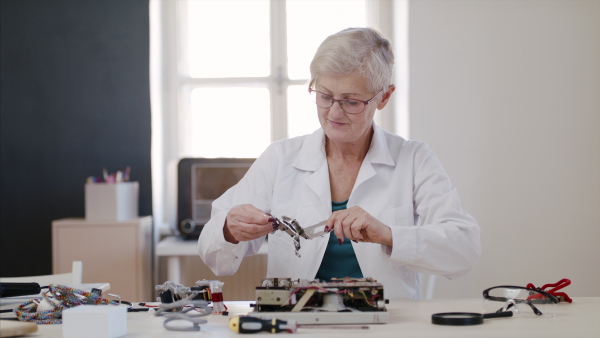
pixel 363 50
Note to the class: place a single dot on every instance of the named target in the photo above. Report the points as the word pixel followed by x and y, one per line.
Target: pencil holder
pixel 111 201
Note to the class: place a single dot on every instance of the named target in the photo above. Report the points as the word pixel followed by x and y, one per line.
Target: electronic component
pixel 178 301
pixel 340 301
pixel 171 292
pixel 207 290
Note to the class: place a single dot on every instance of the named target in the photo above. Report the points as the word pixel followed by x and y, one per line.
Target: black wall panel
pixel 74 97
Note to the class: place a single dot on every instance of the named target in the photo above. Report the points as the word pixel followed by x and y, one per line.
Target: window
pixel 230 76
pixel 237 82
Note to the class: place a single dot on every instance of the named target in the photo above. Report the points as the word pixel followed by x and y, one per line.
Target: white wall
pixel 508 95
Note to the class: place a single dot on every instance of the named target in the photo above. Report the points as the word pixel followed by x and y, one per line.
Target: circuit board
pixel 340 301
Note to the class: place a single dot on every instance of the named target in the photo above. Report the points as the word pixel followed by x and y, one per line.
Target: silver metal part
pixel 267 283
pixel 272 296
pixel 178 291
pixel 310 230
pixel 293 228
pixel 285 283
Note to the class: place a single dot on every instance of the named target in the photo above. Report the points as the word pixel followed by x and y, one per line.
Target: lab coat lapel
pixel 378 153
pixel 312 158
pixel 366 172
pixel 319 183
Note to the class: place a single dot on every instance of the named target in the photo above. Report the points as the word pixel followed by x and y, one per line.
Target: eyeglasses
pixel 350 106
pixel 514 297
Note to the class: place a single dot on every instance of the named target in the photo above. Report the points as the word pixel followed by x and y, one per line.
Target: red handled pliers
pixel 554 288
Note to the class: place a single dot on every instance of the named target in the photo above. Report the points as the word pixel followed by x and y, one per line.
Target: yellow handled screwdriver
pixel 248 324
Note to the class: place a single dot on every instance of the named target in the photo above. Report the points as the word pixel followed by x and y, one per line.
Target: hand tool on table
pixel 249 324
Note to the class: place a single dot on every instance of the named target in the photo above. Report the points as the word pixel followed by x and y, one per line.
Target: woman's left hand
pixel 358 225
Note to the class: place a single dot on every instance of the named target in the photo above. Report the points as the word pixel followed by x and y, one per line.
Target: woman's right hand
pixel 245 223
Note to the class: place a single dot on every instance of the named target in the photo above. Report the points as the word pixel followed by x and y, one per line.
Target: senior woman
pixel 389 206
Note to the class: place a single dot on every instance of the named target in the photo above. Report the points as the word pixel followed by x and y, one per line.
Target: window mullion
pixel 279 77
pixel 379 17
pixel 232 81
pixel 181 73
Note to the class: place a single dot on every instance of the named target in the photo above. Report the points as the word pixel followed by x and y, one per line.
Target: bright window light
pixel 228 122
pixel 304 37
pixel 233 45
pixel 302 112
pixel 242 84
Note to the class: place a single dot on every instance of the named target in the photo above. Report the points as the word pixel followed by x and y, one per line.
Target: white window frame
pixel 169 88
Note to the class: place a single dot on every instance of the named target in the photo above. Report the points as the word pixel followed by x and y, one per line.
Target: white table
pixel 174 248
pixel 408 318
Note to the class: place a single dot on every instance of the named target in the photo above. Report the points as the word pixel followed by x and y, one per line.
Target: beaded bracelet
pixel 61 297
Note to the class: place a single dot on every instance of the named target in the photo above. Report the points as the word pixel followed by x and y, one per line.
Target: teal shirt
pixel 339 261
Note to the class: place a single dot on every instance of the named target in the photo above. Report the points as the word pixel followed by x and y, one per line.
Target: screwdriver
pixel 249 324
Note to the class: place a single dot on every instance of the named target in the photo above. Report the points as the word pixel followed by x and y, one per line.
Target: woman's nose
pixel 336 108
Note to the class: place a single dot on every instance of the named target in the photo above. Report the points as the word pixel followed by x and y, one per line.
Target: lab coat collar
pixel 379 151
pixel 312 154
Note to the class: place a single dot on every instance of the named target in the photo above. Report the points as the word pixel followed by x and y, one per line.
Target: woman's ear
pixel 386 97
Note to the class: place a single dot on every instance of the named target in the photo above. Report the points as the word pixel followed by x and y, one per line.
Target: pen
pixel 118 177
pixel 105 174
pixel 127 172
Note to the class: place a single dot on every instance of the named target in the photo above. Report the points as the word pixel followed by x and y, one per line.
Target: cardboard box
pixel 111 201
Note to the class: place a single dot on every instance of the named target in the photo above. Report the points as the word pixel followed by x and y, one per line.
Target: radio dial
pixel 187 226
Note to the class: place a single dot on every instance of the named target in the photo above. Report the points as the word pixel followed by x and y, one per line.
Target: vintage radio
pixel 199 182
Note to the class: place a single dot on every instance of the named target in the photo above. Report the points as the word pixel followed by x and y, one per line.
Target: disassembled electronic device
pixel 207 290
pixel 182 303
pixel 341 301
pixel 293 228
pixel 170 292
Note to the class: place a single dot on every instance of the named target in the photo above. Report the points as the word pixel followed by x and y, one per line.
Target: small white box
pixel 101 321
pixel 111 201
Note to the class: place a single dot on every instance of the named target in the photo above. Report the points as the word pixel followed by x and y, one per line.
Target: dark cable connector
pixel 19 289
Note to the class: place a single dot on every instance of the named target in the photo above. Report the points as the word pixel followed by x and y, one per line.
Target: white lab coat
pixel 400 182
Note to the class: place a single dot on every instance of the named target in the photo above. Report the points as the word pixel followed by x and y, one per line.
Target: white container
pixel 102 321
pixel 111 201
